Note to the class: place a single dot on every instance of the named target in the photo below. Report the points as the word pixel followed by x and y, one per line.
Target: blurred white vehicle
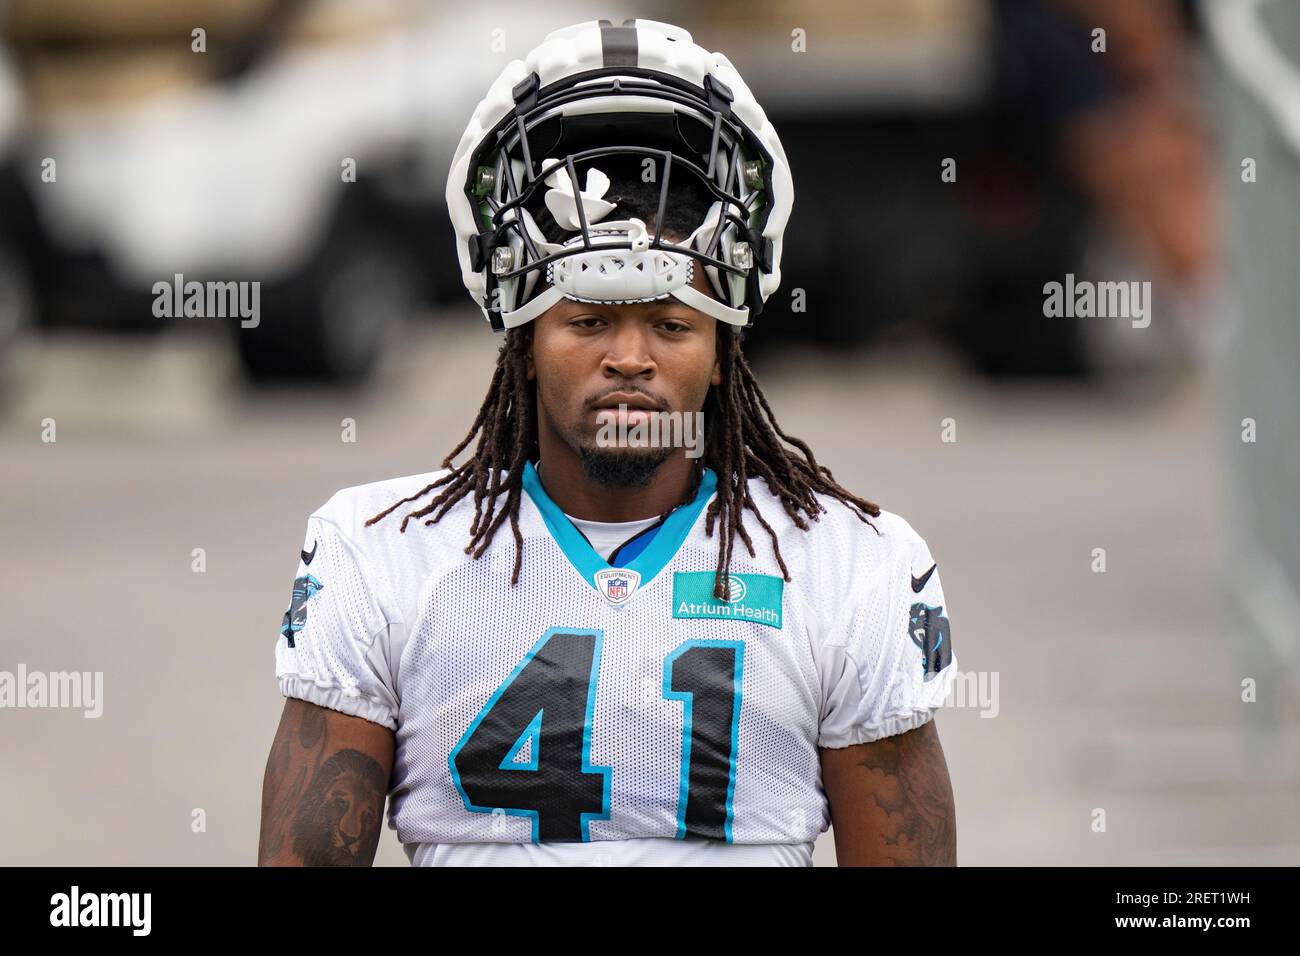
pixel 249 178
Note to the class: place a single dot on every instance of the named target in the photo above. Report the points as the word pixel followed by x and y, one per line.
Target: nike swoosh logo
pixel 307 558
pixel 919 583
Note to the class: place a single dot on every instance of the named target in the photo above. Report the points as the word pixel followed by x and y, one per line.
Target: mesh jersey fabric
pixel 408 631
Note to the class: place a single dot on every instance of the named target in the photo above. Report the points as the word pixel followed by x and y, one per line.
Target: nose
pixel 628 352
pixel 350 826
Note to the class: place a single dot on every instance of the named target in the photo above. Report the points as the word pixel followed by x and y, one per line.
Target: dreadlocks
pixel 742 439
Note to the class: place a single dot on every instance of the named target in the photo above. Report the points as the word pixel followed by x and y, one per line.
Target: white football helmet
pixel 592 98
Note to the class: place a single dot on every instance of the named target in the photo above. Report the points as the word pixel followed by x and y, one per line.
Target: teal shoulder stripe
pixel 575 547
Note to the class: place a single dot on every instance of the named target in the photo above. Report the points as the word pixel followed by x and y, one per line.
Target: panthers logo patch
pixel 295 618
pixel 930 632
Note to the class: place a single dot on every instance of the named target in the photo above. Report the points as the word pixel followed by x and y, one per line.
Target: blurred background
pixel 1170 156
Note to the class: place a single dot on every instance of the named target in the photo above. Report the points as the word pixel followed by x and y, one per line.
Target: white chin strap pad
pixel 618 276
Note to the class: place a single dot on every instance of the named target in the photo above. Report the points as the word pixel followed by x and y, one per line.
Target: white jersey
pixel 613 715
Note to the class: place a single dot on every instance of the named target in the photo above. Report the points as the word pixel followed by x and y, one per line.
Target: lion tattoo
pixel 338 824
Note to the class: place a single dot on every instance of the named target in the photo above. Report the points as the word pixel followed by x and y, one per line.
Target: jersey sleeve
pixel 333 637
pixel 888 661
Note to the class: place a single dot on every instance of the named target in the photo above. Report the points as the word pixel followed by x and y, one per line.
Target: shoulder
pixel 396 565
pixel 350 508
pixel 840 559
pixel 839 533
pixel 382 543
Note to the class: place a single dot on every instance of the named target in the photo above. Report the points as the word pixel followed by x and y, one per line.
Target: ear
pixel 531 369
pixel 716 377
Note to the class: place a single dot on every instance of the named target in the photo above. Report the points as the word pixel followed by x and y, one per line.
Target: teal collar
pixel 584 558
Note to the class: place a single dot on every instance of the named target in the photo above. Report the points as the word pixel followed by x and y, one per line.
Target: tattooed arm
pixel 891 801
pixel 323 793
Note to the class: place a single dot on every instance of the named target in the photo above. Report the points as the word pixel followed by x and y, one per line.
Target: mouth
pixel 633 401
pixel 627 410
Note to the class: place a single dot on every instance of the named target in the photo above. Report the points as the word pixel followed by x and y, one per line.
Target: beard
pixel 622 467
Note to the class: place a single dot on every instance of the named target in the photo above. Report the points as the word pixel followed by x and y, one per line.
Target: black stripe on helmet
pixel 618 44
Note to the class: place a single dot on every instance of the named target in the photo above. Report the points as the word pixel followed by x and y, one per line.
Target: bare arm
pixel 323 793
pixel 891 801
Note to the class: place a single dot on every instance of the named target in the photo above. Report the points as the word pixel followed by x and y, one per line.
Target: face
pixel 588 358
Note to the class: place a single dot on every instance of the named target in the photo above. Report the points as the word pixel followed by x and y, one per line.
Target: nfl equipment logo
pixel 617 584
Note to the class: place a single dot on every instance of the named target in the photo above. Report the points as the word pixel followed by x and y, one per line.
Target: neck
pixel 569 487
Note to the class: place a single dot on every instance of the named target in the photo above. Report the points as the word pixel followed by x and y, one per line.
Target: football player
pixel 581 645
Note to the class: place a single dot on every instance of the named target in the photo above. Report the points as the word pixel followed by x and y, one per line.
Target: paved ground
pixel 1117 692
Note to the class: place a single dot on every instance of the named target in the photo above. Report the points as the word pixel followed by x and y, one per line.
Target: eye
pixel 586 321
pixel 674 325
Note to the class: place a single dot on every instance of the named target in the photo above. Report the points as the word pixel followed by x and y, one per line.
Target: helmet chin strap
pixel 620 276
